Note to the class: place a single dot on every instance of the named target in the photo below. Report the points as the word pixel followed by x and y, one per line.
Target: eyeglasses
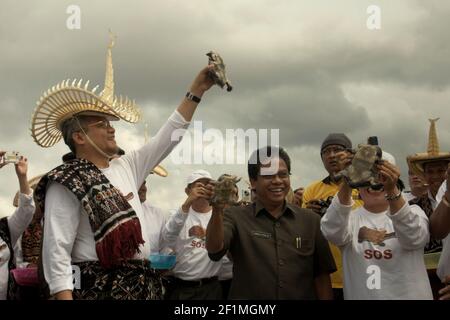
pixel 102 124
pixel 377 189
pixel 282 175
pixel 328 151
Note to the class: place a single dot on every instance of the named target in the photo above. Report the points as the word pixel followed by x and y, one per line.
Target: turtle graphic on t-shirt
pixel 374 236
pixel 198 232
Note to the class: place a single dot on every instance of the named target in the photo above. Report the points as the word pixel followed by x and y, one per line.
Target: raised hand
pixel 198 190
pixel 345 158
pixel 22 167
pixel 202 82
pixel 388 175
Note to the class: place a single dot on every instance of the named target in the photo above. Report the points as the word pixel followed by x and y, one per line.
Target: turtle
pixel 362 172
pixel 224 190
pixel 218 73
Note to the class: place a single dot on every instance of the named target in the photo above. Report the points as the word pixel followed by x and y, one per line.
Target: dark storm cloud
pixel 304 68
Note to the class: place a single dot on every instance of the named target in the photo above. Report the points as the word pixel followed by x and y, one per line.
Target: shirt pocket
pixel 304 246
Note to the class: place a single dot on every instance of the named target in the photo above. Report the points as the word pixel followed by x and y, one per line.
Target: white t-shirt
pixel 185 233
pixel 390 268
pixel 155 220
pixel 68 236
pixel 17 223
pixel 226 271
pixel 408 196
pixel 443 268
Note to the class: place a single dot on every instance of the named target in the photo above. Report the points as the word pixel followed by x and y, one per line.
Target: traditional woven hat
pixel 160 171
pixel 416 161
pixel 33 183
pixel 71 97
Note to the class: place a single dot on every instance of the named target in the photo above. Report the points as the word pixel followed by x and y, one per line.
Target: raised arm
pixel 214 231
pixel 410 222
pixel 335 224
pixel 176 222
pixel 23 215
pixel 199 86
pixel 143 160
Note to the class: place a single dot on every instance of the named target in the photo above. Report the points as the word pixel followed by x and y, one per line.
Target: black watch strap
pixel 191 97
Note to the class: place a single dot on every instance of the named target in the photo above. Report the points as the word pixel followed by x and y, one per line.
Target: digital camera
pixel 10 157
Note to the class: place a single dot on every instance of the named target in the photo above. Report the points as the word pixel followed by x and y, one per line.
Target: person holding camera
pixel 12 227
pixel 382 242
pixel 195 276
pixel 318 195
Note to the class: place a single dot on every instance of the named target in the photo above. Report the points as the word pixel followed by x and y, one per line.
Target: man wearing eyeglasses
pixel 277 248
pixel 317 194
pixel 93 215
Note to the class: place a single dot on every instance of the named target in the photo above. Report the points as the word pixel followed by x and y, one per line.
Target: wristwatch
pixel 393 196
pixel 191 97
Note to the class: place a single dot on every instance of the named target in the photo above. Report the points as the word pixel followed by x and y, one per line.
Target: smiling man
pixel 431 167
pixel 93 215
pixel 277 248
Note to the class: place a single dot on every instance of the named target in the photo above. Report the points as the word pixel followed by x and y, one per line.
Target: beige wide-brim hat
pixel 417 161
pixel 33 183
pixel 73 97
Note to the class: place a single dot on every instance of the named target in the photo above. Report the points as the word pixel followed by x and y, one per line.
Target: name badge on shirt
pixel 260 234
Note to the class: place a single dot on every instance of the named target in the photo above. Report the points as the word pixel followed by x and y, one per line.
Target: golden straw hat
pixel 33 183
pixel 433 154
pixel 160 171
pixel 71 97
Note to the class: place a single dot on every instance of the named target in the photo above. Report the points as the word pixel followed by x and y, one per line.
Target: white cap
pixel 388 157
pixel 198 174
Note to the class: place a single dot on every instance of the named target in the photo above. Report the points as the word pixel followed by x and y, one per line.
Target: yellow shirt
pixel 321 190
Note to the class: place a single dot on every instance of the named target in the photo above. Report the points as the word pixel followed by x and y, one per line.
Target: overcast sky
pixel 307 68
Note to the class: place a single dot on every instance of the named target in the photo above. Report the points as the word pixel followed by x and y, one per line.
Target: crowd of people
pixel 328 240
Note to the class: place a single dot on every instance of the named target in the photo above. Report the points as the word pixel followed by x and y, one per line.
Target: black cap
pixel 338 139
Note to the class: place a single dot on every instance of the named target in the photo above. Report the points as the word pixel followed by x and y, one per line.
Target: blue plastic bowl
pixel 162 261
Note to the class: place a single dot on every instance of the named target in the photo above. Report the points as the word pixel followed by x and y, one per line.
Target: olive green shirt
pixel 274 258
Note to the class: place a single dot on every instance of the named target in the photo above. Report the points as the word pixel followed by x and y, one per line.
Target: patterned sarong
pixel 134 280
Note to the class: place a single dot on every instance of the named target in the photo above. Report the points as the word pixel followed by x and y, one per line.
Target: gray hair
pixel 68 128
